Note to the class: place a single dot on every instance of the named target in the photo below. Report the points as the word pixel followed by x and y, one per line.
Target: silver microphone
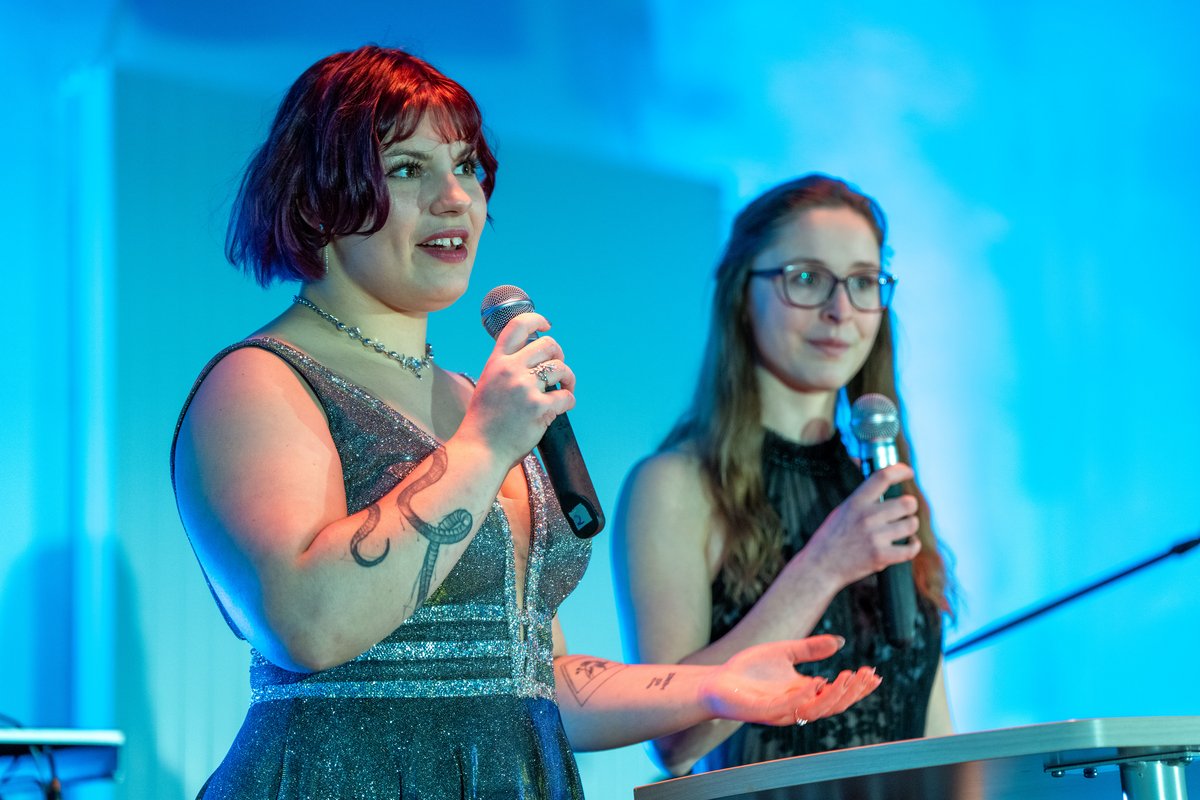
pixel 875 422
pixel 558 448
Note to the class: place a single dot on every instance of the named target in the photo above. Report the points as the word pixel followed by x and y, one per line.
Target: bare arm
pixel 260 491
pixel 606 704
pixel 667 549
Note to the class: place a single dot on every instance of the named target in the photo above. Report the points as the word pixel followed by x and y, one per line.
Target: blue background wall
pixel 1038 164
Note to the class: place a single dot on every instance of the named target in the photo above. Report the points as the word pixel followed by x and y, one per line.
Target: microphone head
pixel 874 418
pixel 500 305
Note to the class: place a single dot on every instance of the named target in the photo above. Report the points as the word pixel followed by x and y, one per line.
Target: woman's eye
pixel 469 166
pixel 805 278
pixel 863 283
pixel 406 170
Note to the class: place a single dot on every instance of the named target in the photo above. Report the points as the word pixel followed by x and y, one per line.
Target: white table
pixel 78 755
pixel 1149 758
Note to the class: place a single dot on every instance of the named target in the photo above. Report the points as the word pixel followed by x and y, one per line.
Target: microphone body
pixel 558 449
pixel 875 422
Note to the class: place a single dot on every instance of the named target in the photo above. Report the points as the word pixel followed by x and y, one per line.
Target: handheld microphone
pixel 875 422
pixel 558 448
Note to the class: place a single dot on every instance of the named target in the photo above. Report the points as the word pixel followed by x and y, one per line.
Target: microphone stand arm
pixel 979 637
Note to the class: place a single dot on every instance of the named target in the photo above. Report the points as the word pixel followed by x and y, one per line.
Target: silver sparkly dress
pixel 458 702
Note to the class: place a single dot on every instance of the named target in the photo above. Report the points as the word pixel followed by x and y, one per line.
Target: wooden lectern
pixel 78 756
pixel 1147 758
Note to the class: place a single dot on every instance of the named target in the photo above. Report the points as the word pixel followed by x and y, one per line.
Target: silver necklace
pixel 410 363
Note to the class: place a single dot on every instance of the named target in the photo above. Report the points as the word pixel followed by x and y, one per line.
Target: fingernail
pixel 841 642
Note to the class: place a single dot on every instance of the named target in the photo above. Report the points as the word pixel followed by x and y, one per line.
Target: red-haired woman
pixel 373 525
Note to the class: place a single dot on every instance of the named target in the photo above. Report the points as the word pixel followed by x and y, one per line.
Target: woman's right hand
pixel 760 684
pixel 511 407
pixel 864 535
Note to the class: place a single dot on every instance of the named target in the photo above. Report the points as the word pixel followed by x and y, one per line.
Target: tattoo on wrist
pixel 584 676
pixel 660 683
pixel 452 529
pixel 363 532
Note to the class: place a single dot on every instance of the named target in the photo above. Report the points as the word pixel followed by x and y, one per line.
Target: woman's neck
pixel 802 416
pixel 399 331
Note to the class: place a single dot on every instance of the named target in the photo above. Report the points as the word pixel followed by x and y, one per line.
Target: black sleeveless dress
pixel 457 703
pixel 803 484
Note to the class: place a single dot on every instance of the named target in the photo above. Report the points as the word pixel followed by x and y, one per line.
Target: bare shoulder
pixel 253 418
pixel 247 384
pixel 666 492
pixel 676 469
pixel 255 465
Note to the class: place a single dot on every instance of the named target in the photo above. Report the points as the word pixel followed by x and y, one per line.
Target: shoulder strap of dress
pixel 291 356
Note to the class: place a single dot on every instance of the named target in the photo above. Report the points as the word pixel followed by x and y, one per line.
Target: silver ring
pixel 542 371
pixel 800 721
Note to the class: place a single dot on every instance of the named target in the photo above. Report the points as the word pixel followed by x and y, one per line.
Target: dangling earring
pixel 324 247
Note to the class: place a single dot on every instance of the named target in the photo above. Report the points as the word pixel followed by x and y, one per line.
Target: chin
pixel 821 383
pixel 445 293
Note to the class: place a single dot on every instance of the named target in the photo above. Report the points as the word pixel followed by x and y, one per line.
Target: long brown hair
pixel 724 423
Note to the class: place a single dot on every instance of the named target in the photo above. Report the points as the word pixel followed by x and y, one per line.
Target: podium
pixel 1147 758
pixel 78 755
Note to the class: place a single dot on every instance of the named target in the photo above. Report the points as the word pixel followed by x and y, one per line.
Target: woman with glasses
pixel 752 522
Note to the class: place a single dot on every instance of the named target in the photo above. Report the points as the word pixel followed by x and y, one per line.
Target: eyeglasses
pixel 808 286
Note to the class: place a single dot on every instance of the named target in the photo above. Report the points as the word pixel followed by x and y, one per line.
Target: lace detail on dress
pixel 803 484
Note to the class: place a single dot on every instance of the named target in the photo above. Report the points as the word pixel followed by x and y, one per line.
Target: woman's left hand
pixel 760 684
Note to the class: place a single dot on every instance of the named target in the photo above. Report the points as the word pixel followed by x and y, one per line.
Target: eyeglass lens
pixel 813 287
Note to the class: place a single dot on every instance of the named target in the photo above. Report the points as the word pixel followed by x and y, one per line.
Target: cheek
pixel 758 310
pixel 479 203
pixel 400 227
pixel 776 329
pixel 869 328
pixel 763 307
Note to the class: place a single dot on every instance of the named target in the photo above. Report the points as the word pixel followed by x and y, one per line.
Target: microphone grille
pixel 874 418
pixel 500 305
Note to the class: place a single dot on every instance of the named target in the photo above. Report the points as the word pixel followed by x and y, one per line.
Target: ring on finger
pixel 542 371
pixel 800 721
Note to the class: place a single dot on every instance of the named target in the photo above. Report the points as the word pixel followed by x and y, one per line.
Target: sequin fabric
pixel 458 702
pixel 803 484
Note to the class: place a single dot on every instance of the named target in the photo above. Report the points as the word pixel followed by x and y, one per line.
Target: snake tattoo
pixel 453 528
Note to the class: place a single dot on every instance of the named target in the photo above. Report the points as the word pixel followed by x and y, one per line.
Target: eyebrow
pixel 417 154
pixel 421 155
pixel 816 262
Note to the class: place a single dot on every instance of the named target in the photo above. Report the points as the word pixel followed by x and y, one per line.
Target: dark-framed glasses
pixel 809 286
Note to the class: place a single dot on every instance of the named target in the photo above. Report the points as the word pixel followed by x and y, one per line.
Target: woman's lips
pixel 829 347
pixel 447 246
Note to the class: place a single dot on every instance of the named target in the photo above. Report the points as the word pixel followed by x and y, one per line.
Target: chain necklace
pixel 411 363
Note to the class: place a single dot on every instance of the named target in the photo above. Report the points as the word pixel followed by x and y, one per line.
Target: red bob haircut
pixel 320 175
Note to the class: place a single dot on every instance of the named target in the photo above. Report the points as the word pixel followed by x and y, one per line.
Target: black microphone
pixel 875 422
pixel 558 448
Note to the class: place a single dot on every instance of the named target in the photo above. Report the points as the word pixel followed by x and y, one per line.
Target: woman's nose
pixel 838 307
pixel 450 197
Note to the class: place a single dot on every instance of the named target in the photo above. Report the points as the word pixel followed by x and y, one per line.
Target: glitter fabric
pixel 458 702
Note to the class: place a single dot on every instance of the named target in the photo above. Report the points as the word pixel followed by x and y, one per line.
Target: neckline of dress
pixel 521 605
pixel 775 443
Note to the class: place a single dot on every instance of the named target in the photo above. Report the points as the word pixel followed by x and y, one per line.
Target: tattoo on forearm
pixel 660 683
pixel 453 528
pixel 363 531
pixel 585 675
